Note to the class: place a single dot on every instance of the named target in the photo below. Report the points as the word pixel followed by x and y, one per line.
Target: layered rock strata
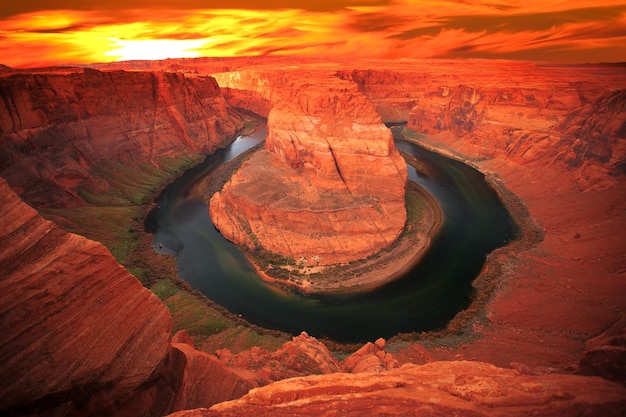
pixel 437 389
pixel 80 335
pixel 551 300
pixel 329 186
pixel 529 114
pixel 68 133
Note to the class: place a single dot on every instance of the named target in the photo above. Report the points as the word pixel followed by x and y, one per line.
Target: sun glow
pixel 567 31
pixel 156 49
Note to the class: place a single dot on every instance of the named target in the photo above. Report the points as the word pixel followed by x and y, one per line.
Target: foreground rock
pixel 329 186
pixel 435 389
pixel 80 335
pixel 303 355
pixel 551 300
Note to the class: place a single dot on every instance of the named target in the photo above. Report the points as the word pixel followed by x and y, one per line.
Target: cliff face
pixel 574 117
pixel 63 132
pixel 80 335
pixel 329 186
pixel 555 137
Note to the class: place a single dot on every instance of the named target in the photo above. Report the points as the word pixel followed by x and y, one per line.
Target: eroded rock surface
pixel 329 186
pixel 67 134
pixel 303 355
pixel 80 335
pixel 437 389
pixel 561 153
pixel 555 137
pixel 533 115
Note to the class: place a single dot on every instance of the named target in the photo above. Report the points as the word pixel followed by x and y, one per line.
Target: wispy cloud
pixel 567 31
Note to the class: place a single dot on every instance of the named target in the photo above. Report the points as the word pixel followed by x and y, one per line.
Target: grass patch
pixel 164 289
pixel 239 339
pixel 412 134
pixel 415 207
pixel 113 218
pixel 136 184
pixel 208 324
pixel 114 227
pixel 192 314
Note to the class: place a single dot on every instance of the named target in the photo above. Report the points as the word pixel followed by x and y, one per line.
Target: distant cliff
pixel 574 117
pixel 67 134
pixel 82 337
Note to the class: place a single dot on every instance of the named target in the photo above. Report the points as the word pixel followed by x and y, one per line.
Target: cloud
pixel 532 21
pixel 520 29
pixel 13 8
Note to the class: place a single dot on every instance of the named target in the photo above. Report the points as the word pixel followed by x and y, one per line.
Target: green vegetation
pixel 138 183
pixel 209 324
pixel 114 226
pixel 415 207
pixel 114 218
pixel 410 134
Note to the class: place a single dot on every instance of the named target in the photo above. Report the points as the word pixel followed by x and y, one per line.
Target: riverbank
pixel 462 329
pixel 375 271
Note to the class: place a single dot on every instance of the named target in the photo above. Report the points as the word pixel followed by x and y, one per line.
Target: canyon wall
pixel 574 117
pixel 555 136
pixel 329 186
pixel 80 335
pixel 69 134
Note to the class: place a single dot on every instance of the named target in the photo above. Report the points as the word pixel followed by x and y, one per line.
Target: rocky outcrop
pixel 436 389
pixel 550 298
pixel 370 358
pixel 605 354
pixel 329 186
pixel 532 127
pixel 69 134
pixel 303 355
pixel 205 380
pixel 80 335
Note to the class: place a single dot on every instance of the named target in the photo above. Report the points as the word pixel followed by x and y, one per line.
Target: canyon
pixel 545 333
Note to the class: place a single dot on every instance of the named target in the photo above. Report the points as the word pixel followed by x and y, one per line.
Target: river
pixel 425 298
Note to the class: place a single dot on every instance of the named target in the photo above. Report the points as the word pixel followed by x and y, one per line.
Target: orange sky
pixel 36 33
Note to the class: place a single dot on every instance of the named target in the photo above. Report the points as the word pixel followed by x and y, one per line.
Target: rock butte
pixel 329 186
pixel 555 136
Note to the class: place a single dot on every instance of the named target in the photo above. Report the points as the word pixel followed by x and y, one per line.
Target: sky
pixel 36 33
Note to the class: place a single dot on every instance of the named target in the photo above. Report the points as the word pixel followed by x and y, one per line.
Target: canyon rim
pixel 545 336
